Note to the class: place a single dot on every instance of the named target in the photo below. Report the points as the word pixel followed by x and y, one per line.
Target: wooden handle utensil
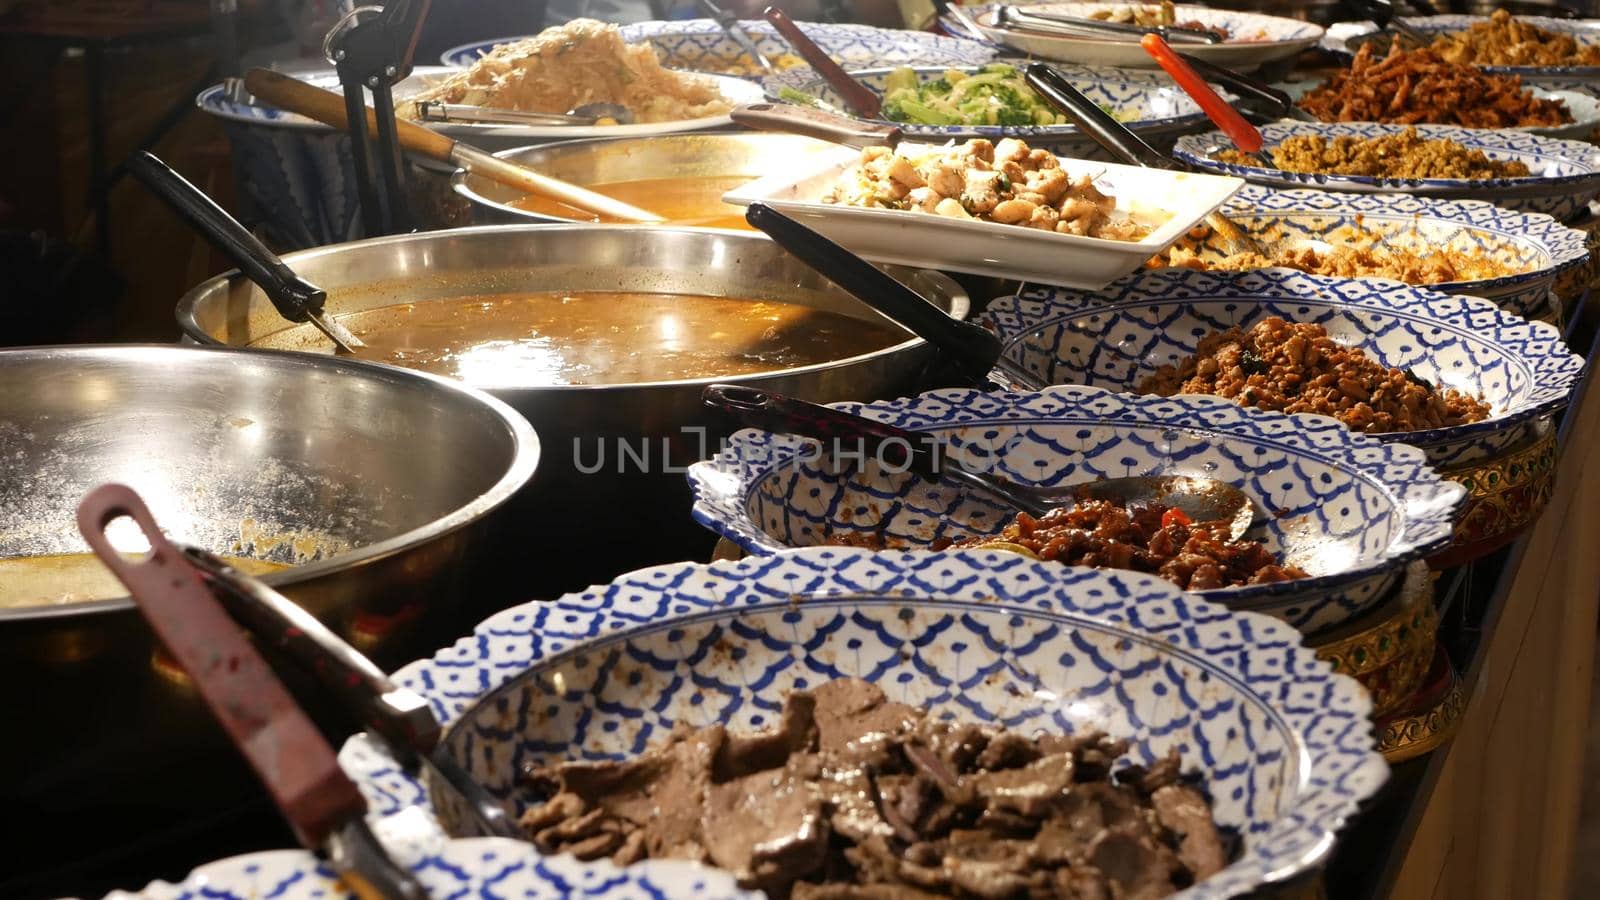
pixel 328 108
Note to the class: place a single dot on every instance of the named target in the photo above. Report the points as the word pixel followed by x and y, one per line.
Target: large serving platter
pixel 1536 249
pixel 1566 174
pixel 1256 39
pixel 1117 337
pixel 1285 746
pixel 1175 200
pixel 1351 509
pixel 700 44
pixel 1347 37
pixel 215 100
pixel 1145 103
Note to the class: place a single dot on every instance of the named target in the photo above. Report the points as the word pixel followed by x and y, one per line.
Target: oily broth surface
pixel 691 200
pixel 600 337
pixel 79 577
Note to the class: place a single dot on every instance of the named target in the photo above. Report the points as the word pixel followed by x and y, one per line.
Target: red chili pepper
pixel 1174 516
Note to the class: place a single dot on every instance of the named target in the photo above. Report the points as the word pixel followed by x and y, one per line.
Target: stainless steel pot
pixel 379 480
pixel 607 161
pixel 610 494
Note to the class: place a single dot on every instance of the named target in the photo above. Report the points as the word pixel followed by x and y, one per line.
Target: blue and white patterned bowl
pixel 1285 746
pixel 1352 510
pixel 1145 103
pixel 1117 337
pixel 700 44
pixel 1566 174
pixel 1535 247
pixel 465 869
pixel 1347 37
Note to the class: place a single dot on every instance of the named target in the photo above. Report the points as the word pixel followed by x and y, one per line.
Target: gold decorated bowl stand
pixel 1390 649
pixel 1505 494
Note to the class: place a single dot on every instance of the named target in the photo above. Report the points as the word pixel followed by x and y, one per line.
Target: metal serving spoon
pixel 730 26
pixel 587 114
pixel 1201 499
pixel 293 297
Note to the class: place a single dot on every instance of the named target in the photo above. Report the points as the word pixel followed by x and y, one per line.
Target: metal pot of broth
pixel 361 491
pixel 603 336
pixel 680 177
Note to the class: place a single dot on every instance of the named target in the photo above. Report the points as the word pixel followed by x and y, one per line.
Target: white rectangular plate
pixel 1174 202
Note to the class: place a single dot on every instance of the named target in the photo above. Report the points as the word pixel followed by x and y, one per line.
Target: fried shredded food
pixel 1005 182
pixel 1406 154
pixel 1299 368
pixel 1353 252
pixel 583 61
pixel 1419 86
pixel 1151 538
pixel 1506 41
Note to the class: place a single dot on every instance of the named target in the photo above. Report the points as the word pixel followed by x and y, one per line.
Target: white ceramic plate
pixel 1254 39
pixel 736 90
pixel 1173 201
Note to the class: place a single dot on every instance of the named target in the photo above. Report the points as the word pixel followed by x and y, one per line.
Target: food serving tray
pixel 1346 38
pixel 1173 201
pixel 1253 41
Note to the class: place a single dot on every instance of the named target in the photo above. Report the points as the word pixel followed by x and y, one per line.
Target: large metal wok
pixel 610 494
pixel 381 478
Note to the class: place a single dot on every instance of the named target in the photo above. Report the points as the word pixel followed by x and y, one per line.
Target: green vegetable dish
pixel 994 95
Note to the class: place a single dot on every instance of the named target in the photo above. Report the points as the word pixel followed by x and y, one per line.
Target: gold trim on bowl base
pixel 1431 721
pixel 1390 649
pixel 1505 495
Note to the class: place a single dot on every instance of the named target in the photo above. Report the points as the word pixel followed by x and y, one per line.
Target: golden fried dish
pixel 1352 252
pixel 1410 87
pixel 1506 41
pixel 581 62
pixel 1403 155
pixel 1005 182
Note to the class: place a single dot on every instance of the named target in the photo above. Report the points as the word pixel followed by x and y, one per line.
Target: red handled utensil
pixel 288 753
pixel 1239 130
pixel 856 96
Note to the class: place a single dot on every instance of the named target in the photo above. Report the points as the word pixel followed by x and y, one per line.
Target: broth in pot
pixel 79 578
pixel 600 338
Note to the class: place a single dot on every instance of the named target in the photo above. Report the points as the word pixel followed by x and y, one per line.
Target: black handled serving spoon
pixel 295 298
pixel 1201 499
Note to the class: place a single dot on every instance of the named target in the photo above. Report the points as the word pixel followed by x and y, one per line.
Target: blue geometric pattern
pixel 700 43
pixel 1446 24
pixel 1142 101
pixel 465 869
pixel 1353 508
pixel 1535 247
pixel 1285 746
pixel 1566 174
pixel 1117 337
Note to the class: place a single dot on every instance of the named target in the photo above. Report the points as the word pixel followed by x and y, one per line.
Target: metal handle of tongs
pixel 398 715
pixel 372 48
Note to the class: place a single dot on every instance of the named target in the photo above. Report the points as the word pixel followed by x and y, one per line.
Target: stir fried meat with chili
pixel 1405 154
pixel 1006 182
pixel 854 797
pixel 1298 368
pixel 1410 87
pixel 1160 540
pixel 1506 41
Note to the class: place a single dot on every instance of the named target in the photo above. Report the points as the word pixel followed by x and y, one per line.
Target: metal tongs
pixel 1382 14
pixel 292 758
pixel 373 48
pixel 729 23
pixel 587 114
pixel 196 601
pixel 1018 19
